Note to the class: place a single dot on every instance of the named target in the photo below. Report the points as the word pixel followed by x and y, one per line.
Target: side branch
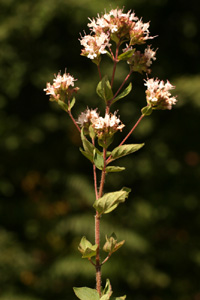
pixel 73 120
pixel 98 264
pixel 106 259
pixel 136 124
pixel 119 89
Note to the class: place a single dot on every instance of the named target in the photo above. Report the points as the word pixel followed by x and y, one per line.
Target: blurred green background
pixel 46 185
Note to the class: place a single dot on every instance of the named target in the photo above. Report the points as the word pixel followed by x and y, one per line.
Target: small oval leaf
pixel 124 93
pixel 85 293
pixel 112 169
pixel 124 150
pixel 126 55
pixel 104 89
pixel 110 201
pixel 98 160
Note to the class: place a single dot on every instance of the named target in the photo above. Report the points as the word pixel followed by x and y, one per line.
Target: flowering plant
pixel 116 34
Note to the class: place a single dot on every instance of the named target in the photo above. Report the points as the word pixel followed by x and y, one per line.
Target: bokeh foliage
pixel 46 185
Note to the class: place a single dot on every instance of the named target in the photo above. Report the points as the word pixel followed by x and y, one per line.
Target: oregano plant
pixel 118 35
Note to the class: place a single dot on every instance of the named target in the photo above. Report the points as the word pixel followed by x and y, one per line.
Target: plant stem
pixel 136 124
pixel 106 259
pixel 97 229
pixel 95 175
pixel 115 63
pixel 119 89
pixel 98 263
pixel 73 120
pixel 99 71
pixel 103 175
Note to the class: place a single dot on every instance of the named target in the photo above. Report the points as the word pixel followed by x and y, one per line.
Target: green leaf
pixel 111 244
pixel 92 132
pixel 86 248
pixel 87 155
pixel 98 160
pixel 111 169
pixel 85 293
pixel 147 110
pixel 88 147
pixel 109 55
pixel 108 153
pixel 105 297
pixel 126 55
pixel 107 292
pixel 110 201
pixel 118 245
pixel 104 89
pixel 124 150
pixel 121 298
pixel 63 105
pixel 124 93
pixel 105 143
pixel 72 103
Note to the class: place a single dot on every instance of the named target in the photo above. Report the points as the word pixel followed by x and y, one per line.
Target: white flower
pixel 61 84
pixel 158 95
pixel 94 45
pixel 63 81
pixel 110 121
pixel 50 89
pixel 88 116
pixel 150 55
pixel 112 21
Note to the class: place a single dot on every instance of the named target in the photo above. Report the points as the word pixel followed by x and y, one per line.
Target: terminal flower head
pixel 158 95
pixel 121 27
pixel 116 21
pixel 62 87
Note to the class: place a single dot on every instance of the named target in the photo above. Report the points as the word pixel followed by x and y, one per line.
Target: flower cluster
pixel 103 127
pixel 88 117
pixel 158 95
pixel 60 89
pixel 116 26
pixel 94 46
pixel 140 62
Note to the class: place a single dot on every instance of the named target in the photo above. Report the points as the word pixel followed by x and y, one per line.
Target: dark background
pixel 46 185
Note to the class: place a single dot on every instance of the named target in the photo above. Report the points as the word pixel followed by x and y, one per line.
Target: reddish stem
pixel 97 228
pixel 73 120
pixel 115 63
pixel 119 89
pixel 99 71
pixel 98 263
pixel 95 175
pixel 106 259
pixel 136 124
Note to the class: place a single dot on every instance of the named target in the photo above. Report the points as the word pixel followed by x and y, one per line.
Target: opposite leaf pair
pixel 85 293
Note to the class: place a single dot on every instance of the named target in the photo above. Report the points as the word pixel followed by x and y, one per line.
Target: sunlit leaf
pixel 111 169
pixel 126 55
pixel 110 201
pixel 85 293
pixel 86 248
pixel 104 89
pixel 124 150
pixel 98 160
